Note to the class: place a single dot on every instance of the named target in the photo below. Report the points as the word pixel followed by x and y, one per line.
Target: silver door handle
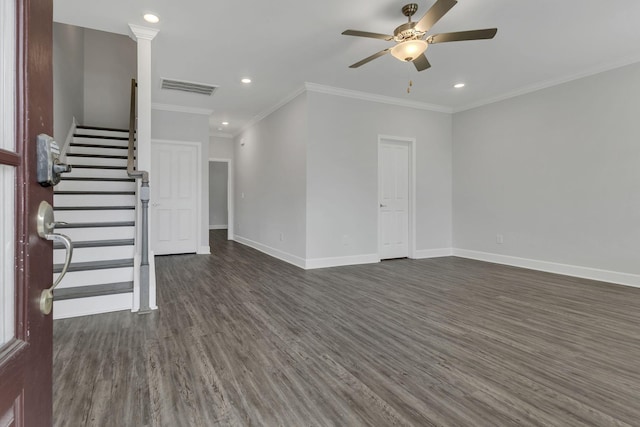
pixel 383 206
pixel 46 225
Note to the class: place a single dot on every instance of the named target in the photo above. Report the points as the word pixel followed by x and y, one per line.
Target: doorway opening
pixel 221 195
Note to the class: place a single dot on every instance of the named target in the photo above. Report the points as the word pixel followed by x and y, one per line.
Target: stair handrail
pixel 143 176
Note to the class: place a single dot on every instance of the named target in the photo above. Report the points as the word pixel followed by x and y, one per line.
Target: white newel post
pixel 143 36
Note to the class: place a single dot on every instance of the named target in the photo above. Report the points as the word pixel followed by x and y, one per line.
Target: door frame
pixel 411 220
pixel 198 248
pixel 230 208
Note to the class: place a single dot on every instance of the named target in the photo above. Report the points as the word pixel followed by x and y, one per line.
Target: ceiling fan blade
pixel 367 34
pixel 370 58
pixel 433 15
pixel 421 63
pixel 488 33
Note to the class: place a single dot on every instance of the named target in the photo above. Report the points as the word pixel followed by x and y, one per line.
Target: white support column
pixel 143 36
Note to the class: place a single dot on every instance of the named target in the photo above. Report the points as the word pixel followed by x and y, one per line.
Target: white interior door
pixel 393 188
pixel 174 198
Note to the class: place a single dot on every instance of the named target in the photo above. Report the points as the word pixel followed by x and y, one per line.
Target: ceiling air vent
pixel 190 87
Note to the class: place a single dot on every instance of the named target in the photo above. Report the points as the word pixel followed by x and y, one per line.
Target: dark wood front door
pixel 27 99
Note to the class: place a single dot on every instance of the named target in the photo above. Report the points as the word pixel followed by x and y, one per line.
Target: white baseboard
pixel 433 253
pixel 204 250
pixel 218 227
pixel 552 267
pixel 340 261
pixel 92 305
pixel 67 142
pixel 276 253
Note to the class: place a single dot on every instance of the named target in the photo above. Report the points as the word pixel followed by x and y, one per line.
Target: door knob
pixel 46 225
pixel 383 206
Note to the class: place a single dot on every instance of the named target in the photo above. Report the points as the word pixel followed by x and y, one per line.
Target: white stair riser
pixel 104 216
pixel 98 233
pixel 102 141
pixel 95 277
pixel 81 131
pixel 96 173
pixel 93 200
pixel 92 305
pixel 94 254
pixel 99 151
pixel 96 186
pixel 97 161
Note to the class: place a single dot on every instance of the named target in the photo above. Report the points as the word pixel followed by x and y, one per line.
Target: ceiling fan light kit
pixel 410 37
pixel 409 50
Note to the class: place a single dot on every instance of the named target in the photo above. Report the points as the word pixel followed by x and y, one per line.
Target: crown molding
pixel 365 96
pixel 221 135
pixel 181 109
pixel 141 32
pixel 256 119
pixel 550 83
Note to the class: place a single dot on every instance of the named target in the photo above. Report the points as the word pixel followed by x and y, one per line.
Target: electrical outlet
pixel 499 239
pixel 242 195
pixel 282 237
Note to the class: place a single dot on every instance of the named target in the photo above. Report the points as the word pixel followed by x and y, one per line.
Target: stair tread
pixel 99 167
pixel 95 265
pixel 101 128
pixel 108 147
pixel 95 193
pixel 96 224
pixel 90 178
pixel 92 208
pixel 119 138
pixel 97 243
pixel 98 156
pixel 92 291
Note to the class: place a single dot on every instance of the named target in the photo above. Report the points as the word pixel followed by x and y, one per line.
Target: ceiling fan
pixel 410 37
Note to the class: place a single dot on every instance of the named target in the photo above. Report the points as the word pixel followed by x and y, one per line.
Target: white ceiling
pixel 281 44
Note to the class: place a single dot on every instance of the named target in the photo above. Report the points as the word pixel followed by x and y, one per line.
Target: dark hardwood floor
pixel 244 339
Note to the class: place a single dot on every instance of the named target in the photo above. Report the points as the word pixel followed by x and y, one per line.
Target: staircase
pixel 97 203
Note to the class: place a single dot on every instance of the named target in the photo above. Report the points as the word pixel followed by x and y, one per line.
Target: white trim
pixel 219 227
pixel 140 32
pixel 92 305
pixel 411 144
pixel 365 96
pixel 198 145
pixel 433 253
pixel 550 83
pixel 313 263
pixel 256 119
pixel 276 253
pixel 152 282
pixel 204 250
pixel 553 267
pixel 181 109
pixel 230 198
pixel 221 135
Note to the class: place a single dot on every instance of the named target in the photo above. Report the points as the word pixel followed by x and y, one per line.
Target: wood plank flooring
pixel 243 339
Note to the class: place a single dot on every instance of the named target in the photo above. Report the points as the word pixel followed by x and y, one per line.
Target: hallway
pixel 244 339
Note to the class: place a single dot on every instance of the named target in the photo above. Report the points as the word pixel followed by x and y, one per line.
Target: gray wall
pixel 342 174
pixel 173 126
pixel 218 193
pixel 270 172
pixel 110 64
pixel 557 172
pixel 221 147
pixel 68 78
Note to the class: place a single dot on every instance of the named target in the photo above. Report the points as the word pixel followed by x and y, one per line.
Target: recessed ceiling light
pixel 246 80
pixel 150 17
pixel 458 85
pixel 225 123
